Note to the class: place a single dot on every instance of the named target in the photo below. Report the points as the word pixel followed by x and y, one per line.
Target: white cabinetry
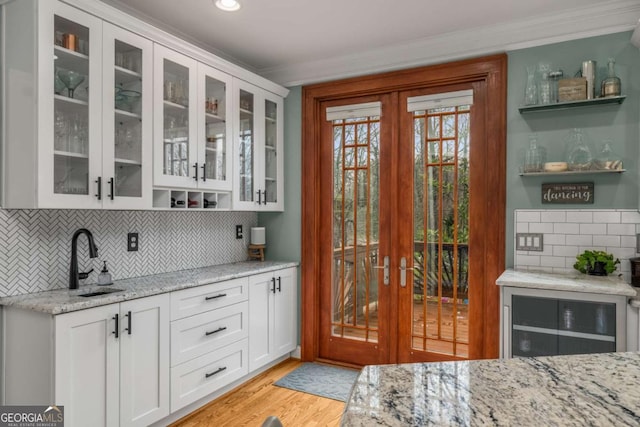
pixel 208 339
pixel 258 133
pixel 108 365
pixel 67 146
pixel 192 145
pixel 272 316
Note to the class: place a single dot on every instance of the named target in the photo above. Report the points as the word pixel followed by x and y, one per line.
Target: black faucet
pixel 93 252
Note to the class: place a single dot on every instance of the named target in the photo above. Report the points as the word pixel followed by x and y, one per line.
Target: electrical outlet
pixel 133 242
pixel 238 231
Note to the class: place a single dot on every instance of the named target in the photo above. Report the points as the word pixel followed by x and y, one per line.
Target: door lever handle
pixel 403 271
pixel 385 266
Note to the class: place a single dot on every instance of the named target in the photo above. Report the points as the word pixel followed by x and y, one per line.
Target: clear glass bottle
pixel 531 89
pixel 578 153
pixel 544 89
pixel 534 157
pixel 607 159
pixel 611 86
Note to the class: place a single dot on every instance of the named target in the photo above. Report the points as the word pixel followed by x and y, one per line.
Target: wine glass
pixel 71 79
pixel 58 85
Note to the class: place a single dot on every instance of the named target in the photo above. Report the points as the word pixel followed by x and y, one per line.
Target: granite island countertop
pixel 66 300
pixel 577 390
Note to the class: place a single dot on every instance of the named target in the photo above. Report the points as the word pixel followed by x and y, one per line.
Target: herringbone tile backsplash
pixel 36 248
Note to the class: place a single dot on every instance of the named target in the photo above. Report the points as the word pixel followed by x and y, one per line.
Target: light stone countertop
pixel 578 390
pixel 575 282
pixel 66 300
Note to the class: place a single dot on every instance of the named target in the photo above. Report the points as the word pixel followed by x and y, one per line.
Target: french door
pixel 404 227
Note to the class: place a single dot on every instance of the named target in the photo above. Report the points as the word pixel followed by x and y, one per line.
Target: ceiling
pixel 301 41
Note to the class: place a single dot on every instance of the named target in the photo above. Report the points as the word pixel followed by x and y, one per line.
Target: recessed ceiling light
pixel 228 5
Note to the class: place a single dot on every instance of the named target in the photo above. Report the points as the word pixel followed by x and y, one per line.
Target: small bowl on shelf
pixel 555 166
pixel 126 99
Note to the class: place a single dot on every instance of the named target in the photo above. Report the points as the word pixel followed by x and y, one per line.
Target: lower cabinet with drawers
pixel 137 362
pixel 209 345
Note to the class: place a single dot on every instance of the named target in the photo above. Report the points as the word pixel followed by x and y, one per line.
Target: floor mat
pixel 321 380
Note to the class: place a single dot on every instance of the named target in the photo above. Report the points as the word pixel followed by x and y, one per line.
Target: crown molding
pixel 605 18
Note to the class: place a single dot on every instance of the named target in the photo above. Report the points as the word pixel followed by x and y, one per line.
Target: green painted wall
pixel 283 228
pixel 620 123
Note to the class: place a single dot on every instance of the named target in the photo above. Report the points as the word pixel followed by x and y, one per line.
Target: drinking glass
pixel 61 125
pixel 71 79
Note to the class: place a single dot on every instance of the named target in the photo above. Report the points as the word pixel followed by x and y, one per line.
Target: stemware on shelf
pixel 71 79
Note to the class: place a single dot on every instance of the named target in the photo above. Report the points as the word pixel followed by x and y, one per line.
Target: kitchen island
pixel 576 390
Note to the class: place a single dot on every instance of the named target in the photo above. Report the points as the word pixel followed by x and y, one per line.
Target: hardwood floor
pixel 253 402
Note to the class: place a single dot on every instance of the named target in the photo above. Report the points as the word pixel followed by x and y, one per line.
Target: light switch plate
pixel 529 242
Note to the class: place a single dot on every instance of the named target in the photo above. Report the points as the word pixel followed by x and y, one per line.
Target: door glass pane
pixel 270 153
pixel 356 144
pixel 215 117
pixel 440 227
pixel 176 119
pixel 71 107
pixel 128 120
pixel 246 146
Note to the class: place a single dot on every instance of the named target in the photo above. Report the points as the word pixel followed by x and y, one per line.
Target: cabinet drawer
pixel 197 335
pixel 199 377
pixel 189 302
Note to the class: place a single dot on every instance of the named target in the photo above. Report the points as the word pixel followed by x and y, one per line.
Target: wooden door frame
pixel 490 69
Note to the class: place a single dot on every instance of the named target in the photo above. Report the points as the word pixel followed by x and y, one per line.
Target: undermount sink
pixel 99 292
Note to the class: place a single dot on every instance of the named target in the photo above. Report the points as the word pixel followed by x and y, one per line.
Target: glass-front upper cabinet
pixel 69 144
pixel 175 121
pixel 273 186
pixel 258 149
pixel 213 169
pixel 127 121
pixel 73 62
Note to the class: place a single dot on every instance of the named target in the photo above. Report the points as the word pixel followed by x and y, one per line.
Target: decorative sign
pixel 577 194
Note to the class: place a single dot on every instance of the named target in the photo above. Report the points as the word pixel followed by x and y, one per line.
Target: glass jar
pixel 611 85
pixel 607 159
pixel 534 158
pixel 578 155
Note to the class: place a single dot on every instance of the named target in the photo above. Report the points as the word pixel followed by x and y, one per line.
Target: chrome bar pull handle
pixel 403 271
pixel 386 274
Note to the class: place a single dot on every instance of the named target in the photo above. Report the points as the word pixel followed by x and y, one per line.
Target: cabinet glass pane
pixel 128 119
pixel 71 107
pixel 270 155
pixel 176 119
pixel 537 312
pixel 530 344
pixel 215 118
pixel 246 147
pixel 574 345
pixel 587 317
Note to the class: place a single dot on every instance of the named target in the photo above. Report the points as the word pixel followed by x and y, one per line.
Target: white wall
pixel 567 233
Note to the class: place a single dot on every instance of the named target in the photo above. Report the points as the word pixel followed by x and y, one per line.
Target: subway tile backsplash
pixel 569 232
pixel 36 244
